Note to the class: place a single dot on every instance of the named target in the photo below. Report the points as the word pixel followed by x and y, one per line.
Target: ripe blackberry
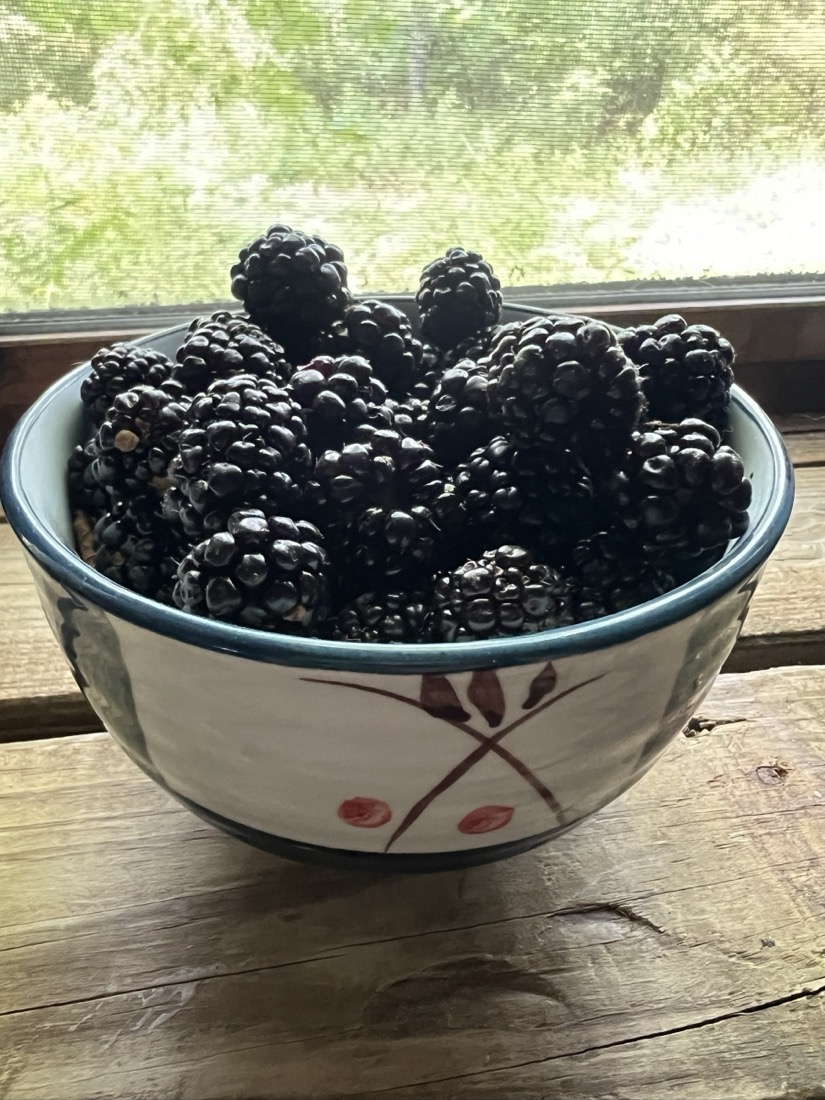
pixel 223 345
pixel 337 396
pixel 539 498
pixel 86 493
pixel 269 573
pixel 383 335
pixel 686 370
pixel 388 501
pixel 565 382
pixel 394 615
pixel 293 285
pixel 136 548
pixel 459 416
pixel 611 572
pixel 458 297
pixel 243 444
pixel 502 594
pixel 680 491
pixel 116 369
pixel 137 440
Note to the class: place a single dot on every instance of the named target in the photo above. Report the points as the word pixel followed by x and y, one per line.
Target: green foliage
pixel 141 144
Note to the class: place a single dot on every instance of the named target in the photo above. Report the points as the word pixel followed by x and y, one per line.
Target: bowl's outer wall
pixel 400 759
pixel 341 760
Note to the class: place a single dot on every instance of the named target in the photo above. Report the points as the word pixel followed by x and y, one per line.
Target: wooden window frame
pixel 778 331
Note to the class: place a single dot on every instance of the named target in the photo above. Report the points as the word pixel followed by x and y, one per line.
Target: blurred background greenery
pixel 142 142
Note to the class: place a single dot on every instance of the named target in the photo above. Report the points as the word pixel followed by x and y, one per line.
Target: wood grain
pixel 678 935
pixel 37 691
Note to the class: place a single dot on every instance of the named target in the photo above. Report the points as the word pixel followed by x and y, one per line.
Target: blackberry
pixel 383 335
pixel 542 499
pixel 136 548
pixel 502 594
pixel 458 297
pixel 611 572
pixel 293 285
pixel 394 615
pixel 116 369
pixel 243 444
pixel 223 345
pixel 137 440
pixel 269 573
pixel 565 382
pixel 680 491
pixel 337 396
pixel 387 501
pixel 686 370
pixel 86 493
pixel 459 418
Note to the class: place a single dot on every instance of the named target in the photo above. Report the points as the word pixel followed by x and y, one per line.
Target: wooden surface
pixel 670 948
pixel 677 935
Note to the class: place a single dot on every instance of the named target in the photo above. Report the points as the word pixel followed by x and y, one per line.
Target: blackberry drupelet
pixel 387 500
pixel 565 382
pixel 243 444
pixel 503 593
pixel 269 573
pixel 136 548
pixel 116 369
pixel 137 440
pixel 383 335
pixel 394 615
pixel 293 285
pixel 337 396
pixel 224 345
pixel 680 491
pixel 686 370
pixel 611 572
pixel 459 417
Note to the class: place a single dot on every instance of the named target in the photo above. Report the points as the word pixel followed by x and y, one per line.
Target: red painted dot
pixel 365 813
pixel 485 819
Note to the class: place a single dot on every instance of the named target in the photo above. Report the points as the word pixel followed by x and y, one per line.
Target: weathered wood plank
pixel 145 954
pixel 37 691
pixel 804 435
pixel 786 623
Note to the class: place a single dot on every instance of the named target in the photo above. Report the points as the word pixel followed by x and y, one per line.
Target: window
pixel 585 142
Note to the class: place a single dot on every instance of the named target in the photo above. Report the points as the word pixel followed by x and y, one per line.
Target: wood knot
pixel 772 775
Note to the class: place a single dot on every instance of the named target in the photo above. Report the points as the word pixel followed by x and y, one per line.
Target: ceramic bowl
pixel 410 757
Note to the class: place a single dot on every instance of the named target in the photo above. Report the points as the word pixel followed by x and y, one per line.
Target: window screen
pixel 144 141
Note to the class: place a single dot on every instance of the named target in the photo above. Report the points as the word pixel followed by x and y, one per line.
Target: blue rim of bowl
pixel 65 566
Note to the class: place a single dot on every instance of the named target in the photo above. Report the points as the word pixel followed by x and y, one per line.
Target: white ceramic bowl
pixel 415 757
